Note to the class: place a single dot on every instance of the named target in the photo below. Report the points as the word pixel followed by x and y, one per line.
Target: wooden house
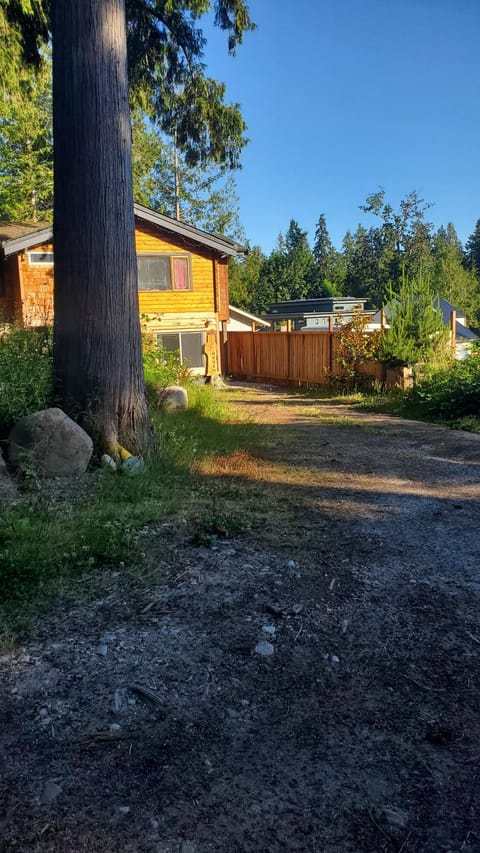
pixel 182 283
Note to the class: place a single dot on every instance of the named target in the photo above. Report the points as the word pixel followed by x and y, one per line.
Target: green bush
pixel 447 393
pixel 25 374
pixel 163 367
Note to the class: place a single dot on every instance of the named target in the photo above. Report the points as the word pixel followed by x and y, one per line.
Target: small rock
pixel 50 792
pixel 108 637
pixel 297 608
pixel 264 648
pixel 333 660
pixel 396 817
pixel 102 649
pixel 106 461
pixel 291 564
pixel 118 701
pixel 124 809
pixel 269 629
pixel 115 727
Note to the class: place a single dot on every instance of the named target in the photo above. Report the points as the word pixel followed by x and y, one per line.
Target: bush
pixel 163 367
pixel 25 374
pixel 447 393
pixel 355 347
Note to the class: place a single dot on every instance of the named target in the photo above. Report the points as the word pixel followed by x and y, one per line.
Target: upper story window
pixel 164 272
pixel 40 259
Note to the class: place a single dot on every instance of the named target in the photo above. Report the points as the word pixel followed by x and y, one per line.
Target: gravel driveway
pixel 308 682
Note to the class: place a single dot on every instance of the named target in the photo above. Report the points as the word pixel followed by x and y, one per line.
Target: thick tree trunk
pixel 97 342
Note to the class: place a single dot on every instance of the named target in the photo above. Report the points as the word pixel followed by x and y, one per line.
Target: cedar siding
pixel 26 289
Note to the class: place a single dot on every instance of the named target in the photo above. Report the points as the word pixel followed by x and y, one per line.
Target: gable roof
pixel 20 236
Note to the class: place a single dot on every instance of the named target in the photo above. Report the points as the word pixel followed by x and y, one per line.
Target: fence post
pixel 330 344
pixel 453 331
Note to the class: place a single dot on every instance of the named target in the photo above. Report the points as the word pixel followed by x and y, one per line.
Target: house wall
pixel 10 298
pixel 29 290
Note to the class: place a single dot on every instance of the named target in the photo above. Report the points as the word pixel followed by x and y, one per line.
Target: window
pixel 37 259
pixel 189 344
pixel 163 272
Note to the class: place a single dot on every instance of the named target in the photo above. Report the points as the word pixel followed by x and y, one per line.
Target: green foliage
pixel 162 367
pixel 26 173
pixel 25 374
pixel 417 332
pixel 472 250
pixel 450 279
pixel 447 393
pixel 203 196
pixel 355 347
pixel 243 278
pixel 166 70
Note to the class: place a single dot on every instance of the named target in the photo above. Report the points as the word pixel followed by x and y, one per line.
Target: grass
pixel 48 539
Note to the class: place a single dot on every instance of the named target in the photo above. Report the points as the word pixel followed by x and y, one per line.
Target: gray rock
pixel 50 792
pixel 52 442
pixel 174 398
pixel 264 648
pixel 106 461
pixel 269 629
pixel 102 649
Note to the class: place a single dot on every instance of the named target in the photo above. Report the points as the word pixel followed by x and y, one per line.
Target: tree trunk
pixel 97 342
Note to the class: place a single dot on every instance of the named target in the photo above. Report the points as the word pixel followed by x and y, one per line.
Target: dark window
pixel 40 258
pixel 188 344
pixel 163 272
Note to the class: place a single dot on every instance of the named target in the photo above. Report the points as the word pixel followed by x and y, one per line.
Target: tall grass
pixel 25 374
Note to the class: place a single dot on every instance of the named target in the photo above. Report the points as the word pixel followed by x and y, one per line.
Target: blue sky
pixel 342 97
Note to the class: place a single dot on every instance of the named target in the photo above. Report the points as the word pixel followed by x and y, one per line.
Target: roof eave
pixel 222 245
pixel 19 244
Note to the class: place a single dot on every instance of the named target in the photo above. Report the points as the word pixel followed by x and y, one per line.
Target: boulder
pixel 174 398
pixel 52 442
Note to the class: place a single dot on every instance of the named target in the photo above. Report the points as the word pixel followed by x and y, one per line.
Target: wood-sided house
pixel 182 283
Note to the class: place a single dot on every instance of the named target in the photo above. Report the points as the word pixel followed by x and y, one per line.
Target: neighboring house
pixel 242 321
pixel 182 283
pixel 463 335
pixel 297 315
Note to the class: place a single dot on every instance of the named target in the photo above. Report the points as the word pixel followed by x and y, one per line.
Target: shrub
pixel 25 374
pixel 355 346
pixel 447 393
pixel 163 367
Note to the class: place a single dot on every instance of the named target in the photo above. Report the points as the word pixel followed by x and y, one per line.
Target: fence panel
pixel 303 357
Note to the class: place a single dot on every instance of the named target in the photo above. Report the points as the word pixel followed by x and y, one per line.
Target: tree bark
pixel 97 342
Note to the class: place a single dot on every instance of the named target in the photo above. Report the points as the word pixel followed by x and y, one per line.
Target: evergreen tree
pixel 244 277
pixel 97 347
pixel 26 169
pixel 472 250
pixel 329 264
pixel 450 279
pixel 416 330
pixel 289 272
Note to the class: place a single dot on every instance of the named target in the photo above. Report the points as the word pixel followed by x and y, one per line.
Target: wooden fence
pixel 306 358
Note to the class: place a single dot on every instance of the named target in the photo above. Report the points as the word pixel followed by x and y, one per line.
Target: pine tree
pixel 416 330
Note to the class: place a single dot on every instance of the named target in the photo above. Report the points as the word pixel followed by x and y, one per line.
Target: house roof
pixel 245 315
pixel 20 236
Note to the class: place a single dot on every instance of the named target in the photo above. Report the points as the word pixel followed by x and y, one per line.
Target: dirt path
pixel 316 676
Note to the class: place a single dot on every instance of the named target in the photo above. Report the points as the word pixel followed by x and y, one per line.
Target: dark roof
pixel 18 237
pixel 321 304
